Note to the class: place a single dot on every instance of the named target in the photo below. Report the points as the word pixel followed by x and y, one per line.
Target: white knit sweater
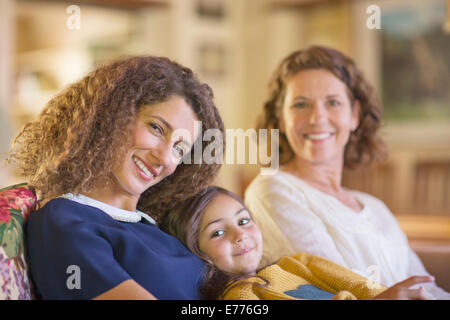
pixel 296 217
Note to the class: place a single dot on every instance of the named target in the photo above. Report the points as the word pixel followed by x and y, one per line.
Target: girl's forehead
pixel 221 205
pixel 224 201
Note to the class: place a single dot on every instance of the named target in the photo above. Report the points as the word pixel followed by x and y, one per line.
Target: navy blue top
pixel 106 252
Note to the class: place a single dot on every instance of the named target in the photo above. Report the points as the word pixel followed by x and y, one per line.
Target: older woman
pixel 107 157
pixel 328 116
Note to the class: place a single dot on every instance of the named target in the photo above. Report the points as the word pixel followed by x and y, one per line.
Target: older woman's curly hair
pixel 85 131
pixel 364 144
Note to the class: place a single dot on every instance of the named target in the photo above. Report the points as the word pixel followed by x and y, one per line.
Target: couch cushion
pixel 16 203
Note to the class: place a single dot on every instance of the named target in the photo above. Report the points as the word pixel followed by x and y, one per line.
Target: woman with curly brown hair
pixel 328 117
pixel 109 150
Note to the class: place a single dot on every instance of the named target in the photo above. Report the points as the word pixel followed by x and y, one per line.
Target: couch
pixel 16 203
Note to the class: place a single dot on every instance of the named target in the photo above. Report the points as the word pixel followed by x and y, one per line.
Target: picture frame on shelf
pixel 210 9
pixel 211 60
pixel 415 55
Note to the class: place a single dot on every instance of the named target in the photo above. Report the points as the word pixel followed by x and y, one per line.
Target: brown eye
pixel 217 233
pixel 334 103
pixel 244 221
pixel 300 105
pixel 156 128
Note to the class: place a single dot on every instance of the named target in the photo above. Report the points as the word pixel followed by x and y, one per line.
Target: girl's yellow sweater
pixel 304 277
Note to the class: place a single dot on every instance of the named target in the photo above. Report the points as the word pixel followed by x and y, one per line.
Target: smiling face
pixel 317 116
pixel 229 237
pixel 157 148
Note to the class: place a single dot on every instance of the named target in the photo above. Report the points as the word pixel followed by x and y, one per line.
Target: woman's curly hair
pixel 364 144
pixel 83 133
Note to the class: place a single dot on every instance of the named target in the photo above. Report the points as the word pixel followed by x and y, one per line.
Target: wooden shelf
pixel 123 4
pixel 296 3
pixel 417 228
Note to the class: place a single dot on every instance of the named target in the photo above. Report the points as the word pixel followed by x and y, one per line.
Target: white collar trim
pixel 114 212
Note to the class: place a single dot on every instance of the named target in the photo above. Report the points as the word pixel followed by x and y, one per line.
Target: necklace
pixel 114 212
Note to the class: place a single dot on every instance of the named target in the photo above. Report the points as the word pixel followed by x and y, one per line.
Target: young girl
pixel 216 226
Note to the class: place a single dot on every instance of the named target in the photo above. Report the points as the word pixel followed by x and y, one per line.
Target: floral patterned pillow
pixel 16 203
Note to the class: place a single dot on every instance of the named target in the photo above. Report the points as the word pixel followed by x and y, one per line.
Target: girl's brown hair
pixel 184 223
pixel 83 132
pixel 364 144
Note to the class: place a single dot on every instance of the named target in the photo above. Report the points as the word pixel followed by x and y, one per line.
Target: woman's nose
pixel 164 154
pixel 318 113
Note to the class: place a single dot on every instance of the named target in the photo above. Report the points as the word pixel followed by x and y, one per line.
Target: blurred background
pixel 234 45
